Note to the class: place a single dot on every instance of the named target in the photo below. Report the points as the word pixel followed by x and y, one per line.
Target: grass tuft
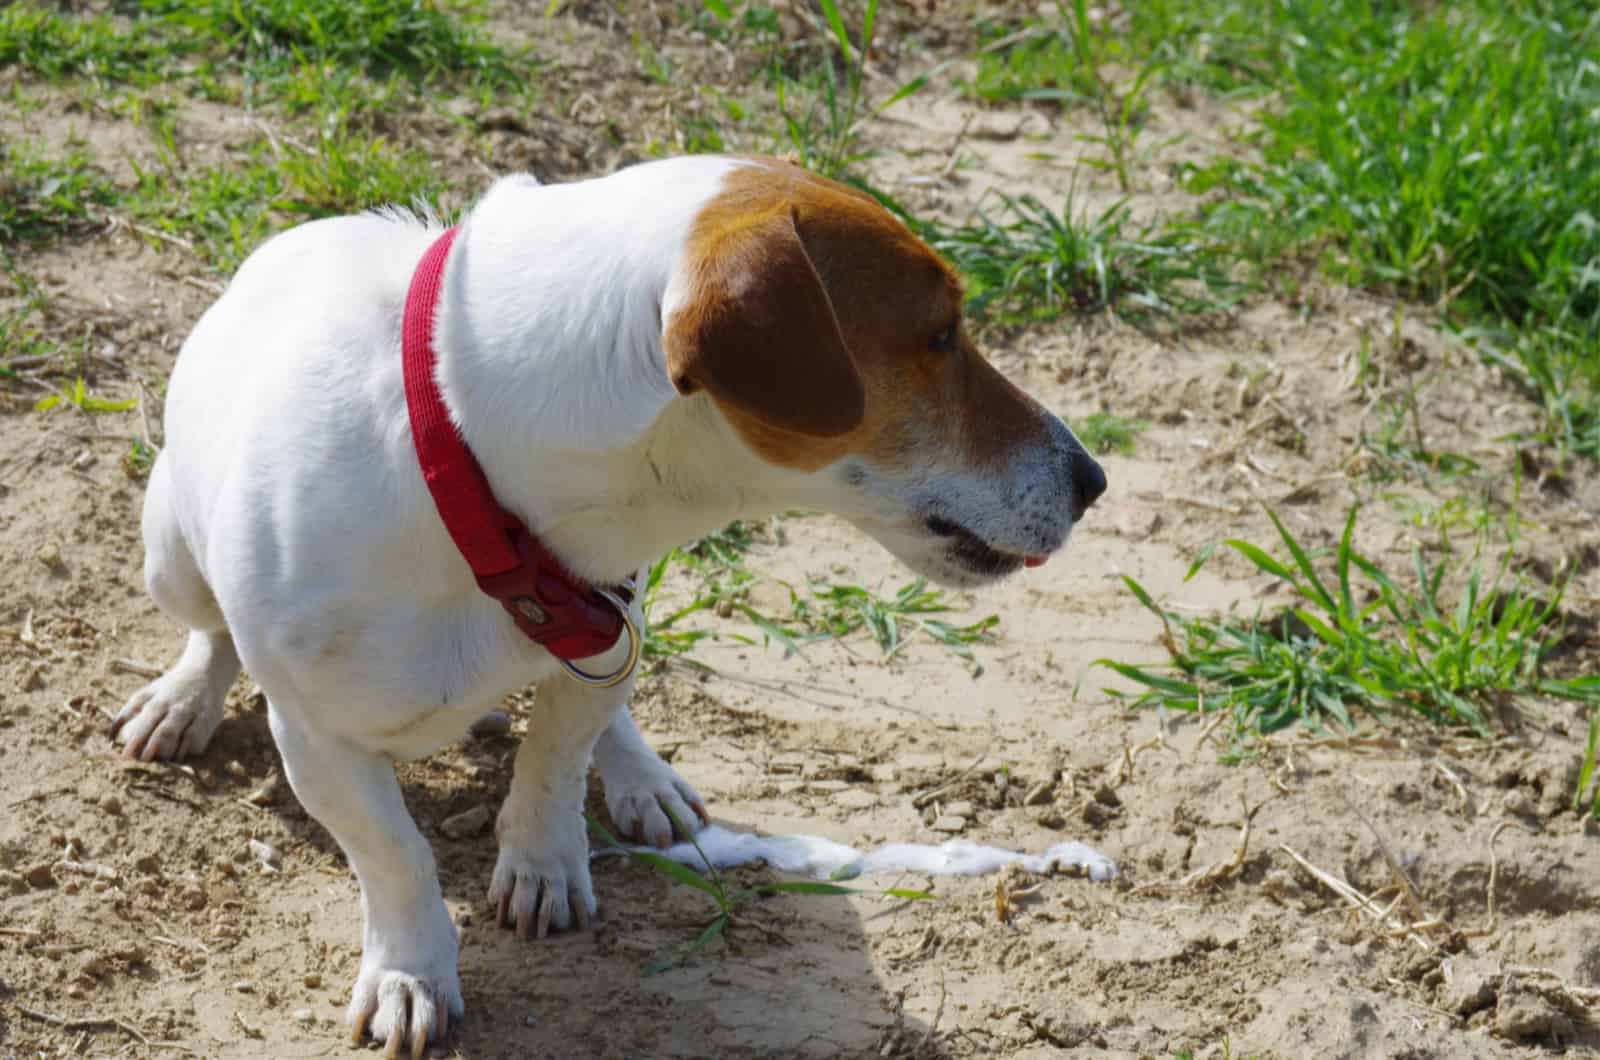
pixel 419 40
pixel 1106 432
pixel 44 199
pixel 1036 264
pixel 1360 641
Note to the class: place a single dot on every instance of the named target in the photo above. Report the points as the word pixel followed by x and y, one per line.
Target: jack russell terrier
pixel 453 447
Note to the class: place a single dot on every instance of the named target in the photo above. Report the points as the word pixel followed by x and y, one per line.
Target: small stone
pixel 949 822
pixel 50 555
pixel 312 980
pixel 303 1015
pixel 245 986
pixel 266 854
pixel 40 875
pixel 111 804
pixel 1518 803
pixel 827 787
pixel 960 808
pixel 855 799
pixel 494 724
pixel 884 773
pixel 467 823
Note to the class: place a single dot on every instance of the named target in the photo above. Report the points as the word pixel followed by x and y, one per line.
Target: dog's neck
pixel 549 340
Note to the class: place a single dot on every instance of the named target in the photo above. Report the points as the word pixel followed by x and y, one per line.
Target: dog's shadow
pixel 786 976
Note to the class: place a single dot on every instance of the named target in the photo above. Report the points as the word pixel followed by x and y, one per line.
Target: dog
pixel 629 362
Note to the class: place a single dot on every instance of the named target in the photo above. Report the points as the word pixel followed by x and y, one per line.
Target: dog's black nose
pixel 1088 481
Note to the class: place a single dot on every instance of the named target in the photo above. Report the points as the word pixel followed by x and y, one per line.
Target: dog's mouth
pixel 975 554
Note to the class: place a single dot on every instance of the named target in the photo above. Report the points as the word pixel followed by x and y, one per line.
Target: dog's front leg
pixel 541 879
pixel 408 989
pixel 647 799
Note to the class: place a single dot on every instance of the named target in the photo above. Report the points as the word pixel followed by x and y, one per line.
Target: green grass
pixel 77 395
pixel 1031 263
pixel 1446 153
pixel 423 41
pixel 1361 642
pixel 226 210
pixel 44 199
pixel 819 612
pixel 48 43
pixel 727 898
pixel 1455 159
pixel 24 349
pixel 1106 432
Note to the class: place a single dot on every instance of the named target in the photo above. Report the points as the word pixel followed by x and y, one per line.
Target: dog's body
pixel 634 361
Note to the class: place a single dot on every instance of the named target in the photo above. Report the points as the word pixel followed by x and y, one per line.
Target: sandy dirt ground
pixel 141 914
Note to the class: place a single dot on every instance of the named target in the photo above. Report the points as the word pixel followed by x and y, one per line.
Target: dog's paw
pixel 646 799
pixel 171 717
pixel 541 879
pixel 403 1010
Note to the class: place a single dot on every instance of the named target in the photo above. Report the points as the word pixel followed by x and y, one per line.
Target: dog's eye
pixel 945 341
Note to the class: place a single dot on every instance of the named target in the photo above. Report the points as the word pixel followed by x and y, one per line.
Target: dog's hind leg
pixel 408 990
pixel 178 713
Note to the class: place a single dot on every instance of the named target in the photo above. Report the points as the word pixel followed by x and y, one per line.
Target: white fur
pixel 288 527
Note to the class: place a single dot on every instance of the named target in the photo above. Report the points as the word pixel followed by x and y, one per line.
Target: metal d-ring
pixel 622 673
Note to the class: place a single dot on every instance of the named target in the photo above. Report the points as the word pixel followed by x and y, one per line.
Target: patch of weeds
pixel 421 41
pixel 1374 647
pixel 44 199
pixel 838 611
pixel 21 341
pixel 1452 155
pixel 664 640
pixel 727 898
pixel 51 44
pixel 822 120
pixel 77 395
pixel 227 210
pixel 139 459
pixel 1560 370
pixel 1106 432
pixel 1399 448
pixel 1035 264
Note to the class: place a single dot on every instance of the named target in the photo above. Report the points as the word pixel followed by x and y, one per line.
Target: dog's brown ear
pixel 758 332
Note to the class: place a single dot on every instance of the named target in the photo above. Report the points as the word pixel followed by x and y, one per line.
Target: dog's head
pixel 831 339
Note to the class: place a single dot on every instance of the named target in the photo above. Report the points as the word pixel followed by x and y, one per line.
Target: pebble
pixel 467 823
pixel 949 822
pixel 303 1015
pixel 312 980
pixel 960 808
pixel 111 804
pixel 40 875
pixel 49 554
pixel 266 855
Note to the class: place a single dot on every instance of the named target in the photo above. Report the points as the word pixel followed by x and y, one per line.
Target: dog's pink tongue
pixel 1035 561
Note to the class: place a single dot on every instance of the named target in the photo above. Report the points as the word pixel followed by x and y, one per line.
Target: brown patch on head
pixel 824 328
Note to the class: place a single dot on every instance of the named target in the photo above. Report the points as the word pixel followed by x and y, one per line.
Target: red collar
pixel 569 617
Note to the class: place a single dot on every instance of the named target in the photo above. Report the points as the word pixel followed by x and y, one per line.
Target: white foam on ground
pixel 823 859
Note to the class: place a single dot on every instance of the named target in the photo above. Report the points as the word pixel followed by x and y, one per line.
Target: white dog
pixel 633 361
